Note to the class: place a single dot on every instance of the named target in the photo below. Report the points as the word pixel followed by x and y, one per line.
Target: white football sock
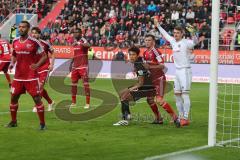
pixel 179 104
pixel 186 104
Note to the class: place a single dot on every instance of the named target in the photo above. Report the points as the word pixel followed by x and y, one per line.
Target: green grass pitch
pixel 98 139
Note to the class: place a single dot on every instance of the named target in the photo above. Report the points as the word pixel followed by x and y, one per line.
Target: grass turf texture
pixel 98 138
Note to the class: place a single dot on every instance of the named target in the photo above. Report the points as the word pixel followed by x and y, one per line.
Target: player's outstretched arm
pixel 163 32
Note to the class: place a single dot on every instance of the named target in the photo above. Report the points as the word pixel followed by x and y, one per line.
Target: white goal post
pixel 212 122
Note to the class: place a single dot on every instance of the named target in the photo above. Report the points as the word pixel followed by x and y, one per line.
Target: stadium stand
pixel 40 7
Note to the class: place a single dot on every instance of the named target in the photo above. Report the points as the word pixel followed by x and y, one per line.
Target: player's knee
pixel 14 99
pixel 150 101
pixel 160 100
pixel 37 99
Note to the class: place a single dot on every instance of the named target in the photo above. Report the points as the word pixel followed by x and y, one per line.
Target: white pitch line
pixel 177 153
pixel 158 157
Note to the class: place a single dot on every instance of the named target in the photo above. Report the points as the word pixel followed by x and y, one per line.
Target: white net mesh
pixel 228 110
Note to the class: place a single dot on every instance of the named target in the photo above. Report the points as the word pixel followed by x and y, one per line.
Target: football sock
pixel 40 112
pixel 87 92
pixel 125 109
pixel 186 105
pixel 45 95
pixel 155 111
pixel 169 110
pixel 13 110
pixel 179 104
pixel 74 93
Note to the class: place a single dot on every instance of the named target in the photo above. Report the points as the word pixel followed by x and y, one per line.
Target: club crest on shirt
pixel 179 45
pixel 29 45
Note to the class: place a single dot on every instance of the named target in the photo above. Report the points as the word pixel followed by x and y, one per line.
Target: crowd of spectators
pixel 123 22
pixel 40 7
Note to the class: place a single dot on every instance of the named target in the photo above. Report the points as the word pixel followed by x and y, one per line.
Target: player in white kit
pixel 182 57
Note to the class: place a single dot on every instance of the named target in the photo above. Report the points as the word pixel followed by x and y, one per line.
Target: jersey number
pixel 5 48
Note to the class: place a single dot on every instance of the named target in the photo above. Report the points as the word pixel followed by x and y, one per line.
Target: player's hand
pixel 146 65
pixel 50 67
pixel 34 66
pixel 10 67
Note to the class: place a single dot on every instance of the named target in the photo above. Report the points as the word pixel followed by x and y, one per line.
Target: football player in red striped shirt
pixel 79 67
pixel 154 62
pixel 44 69
pixel 5 58
pixel 25 55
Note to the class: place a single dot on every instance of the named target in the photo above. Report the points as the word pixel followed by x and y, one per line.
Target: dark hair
pixel 150 35
pixel 134 49
pixel 26 22
pixel 179 28
pixel 38 30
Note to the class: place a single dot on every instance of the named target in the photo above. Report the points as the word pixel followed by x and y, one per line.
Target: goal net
pixel 228 90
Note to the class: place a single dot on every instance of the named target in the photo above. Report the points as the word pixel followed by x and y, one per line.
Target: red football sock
pixel 169 109
pixel 13 110
pixel 87 92
pixel 40 112
pixel 155 111
pixel 45 95
pixel 74 93
pixel 87 99
pixel 8 78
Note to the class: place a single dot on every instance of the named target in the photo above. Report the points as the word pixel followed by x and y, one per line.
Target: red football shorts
pixel 4 66
pixel 43 77
pixel 160 84
pixel 79 74
pixel 20 87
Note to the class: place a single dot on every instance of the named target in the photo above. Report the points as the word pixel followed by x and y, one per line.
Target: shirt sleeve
pixel 40 49
pixel 190 44
pixel 166 35
pixel 13 50
pixel 158 56
pixel 50 48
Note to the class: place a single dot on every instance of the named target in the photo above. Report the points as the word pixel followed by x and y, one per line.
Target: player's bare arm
pixel 52 56
pixel 139 84
pixel 13 61
pixel 71 64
